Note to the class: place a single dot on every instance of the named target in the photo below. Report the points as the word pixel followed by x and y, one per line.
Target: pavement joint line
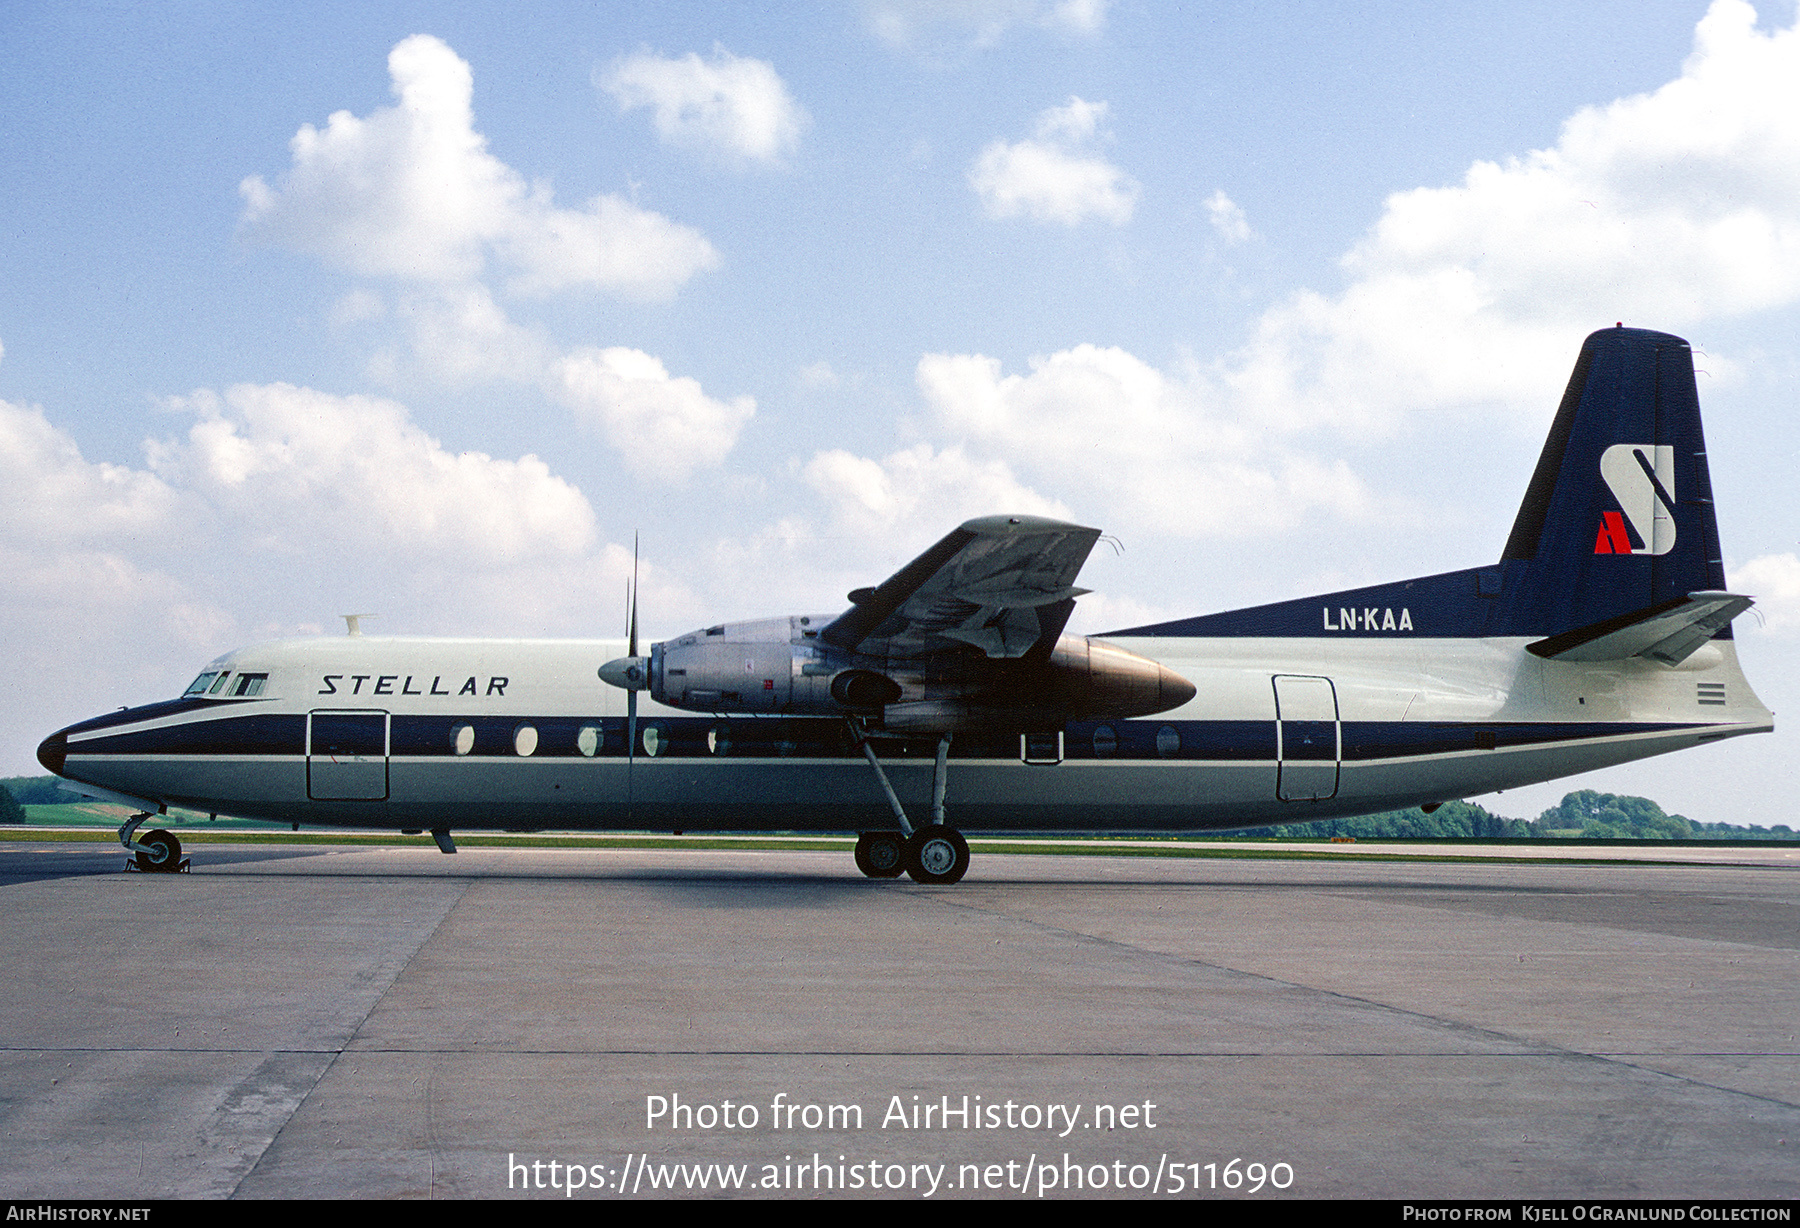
pixel 1541 1048
pixel 337 1054
pixel 390 1051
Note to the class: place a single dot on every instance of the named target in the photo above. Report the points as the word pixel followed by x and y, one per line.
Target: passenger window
pixel 1106 742
pixel 589 740
pixel 525 741
pixel 462 738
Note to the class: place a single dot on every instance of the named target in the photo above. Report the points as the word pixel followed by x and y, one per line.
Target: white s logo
pixel 1641 477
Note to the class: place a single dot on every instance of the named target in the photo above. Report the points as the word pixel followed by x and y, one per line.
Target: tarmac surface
pixel 318 1021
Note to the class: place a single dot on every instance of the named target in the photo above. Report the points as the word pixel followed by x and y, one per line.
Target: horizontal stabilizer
pixel 1669 631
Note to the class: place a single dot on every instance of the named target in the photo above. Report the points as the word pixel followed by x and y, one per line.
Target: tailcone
pixel 1174 690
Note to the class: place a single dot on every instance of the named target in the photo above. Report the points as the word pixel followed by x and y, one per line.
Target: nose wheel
pixel 159 852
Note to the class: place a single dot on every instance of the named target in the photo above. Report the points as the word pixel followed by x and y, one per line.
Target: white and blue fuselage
pixel 1602 635
pixel 522 734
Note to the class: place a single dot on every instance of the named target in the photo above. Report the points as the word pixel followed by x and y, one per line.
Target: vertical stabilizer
pixel 1619 514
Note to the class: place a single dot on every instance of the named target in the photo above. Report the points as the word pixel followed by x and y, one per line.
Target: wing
pixel 1003 584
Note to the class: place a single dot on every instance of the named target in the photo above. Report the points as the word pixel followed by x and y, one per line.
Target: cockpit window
pixel 249 684
pixel 219 686
pixel 199 685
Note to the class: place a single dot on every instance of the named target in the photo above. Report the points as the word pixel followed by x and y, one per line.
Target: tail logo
pixel 1641 477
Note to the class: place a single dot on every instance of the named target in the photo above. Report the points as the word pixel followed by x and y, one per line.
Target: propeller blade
pixel 631 651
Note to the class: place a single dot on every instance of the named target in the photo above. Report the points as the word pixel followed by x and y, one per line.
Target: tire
pixel 162 854
pixel 880 854
pixel 937 854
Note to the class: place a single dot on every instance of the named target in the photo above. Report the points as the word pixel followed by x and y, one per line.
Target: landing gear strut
pixel 935 853
pixel 157 853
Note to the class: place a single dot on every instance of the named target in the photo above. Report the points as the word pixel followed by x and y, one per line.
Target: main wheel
pixel 937 854
pixel 162 853
pixel 880 854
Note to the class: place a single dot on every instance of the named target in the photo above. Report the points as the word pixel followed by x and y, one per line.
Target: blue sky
pixel 426 310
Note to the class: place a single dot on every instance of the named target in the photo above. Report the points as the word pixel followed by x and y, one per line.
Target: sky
pixel 430 310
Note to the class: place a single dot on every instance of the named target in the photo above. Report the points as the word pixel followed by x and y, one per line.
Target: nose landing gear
pixel 159 852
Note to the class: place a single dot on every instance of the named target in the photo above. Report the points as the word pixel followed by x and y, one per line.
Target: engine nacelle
pixel 741 667
pixel 1083 679
pixel 780 666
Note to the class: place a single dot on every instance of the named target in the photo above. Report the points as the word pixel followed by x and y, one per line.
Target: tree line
pixel 1585 815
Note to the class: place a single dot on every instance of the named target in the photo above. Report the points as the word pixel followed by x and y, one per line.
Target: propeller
pixel 632 652
pixel 630 673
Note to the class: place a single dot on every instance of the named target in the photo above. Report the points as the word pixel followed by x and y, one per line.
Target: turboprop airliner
pixel 949 697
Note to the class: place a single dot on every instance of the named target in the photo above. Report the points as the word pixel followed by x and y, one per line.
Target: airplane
pixel 1602 635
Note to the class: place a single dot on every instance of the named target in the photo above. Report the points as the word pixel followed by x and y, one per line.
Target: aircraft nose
pixel 52 751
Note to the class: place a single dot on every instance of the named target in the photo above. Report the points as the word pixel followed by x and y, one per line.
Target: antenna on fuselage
pixel 353 622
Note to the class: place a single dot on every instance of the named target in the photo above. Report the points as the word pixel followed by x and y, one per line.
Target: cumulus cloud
pixel 1663 209
pixel 737 108
pixel 412 192
pixel 1227 218
pixel 1774 580
pixel 1675 206
pixel 1055 176
pixel 58 499
pixel 1154 451
pixel 459 334
pixel 664 426
pixel 919 484
pixel 91 552
pixel 294 469
pixel 1101 429
pixel 913 24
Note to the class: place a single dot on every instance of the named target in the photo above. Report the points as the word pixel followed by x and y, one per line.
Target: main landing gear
pixel 157 853
pixel 935 853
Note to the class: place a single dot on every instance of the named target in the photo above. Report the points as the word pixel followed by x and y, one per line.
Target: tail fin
pixel 1619 514
pixel 1616 532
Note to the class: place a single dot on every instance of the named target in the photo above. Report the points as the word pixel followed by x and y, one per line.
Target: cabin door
pixel 347 756
pixel 1306 738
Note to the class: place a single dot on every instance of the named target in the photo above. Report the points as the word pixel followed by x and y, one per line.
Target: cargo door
pixel 347 756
